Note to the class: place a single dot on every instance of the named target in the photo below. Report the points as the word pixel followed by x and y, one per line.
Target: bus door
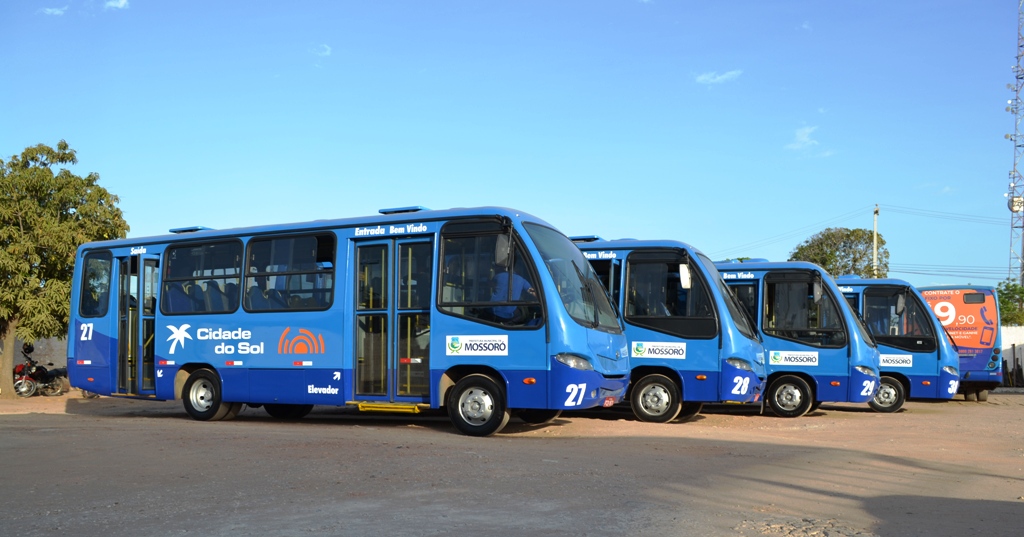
pixel 393 285
pixel 136 324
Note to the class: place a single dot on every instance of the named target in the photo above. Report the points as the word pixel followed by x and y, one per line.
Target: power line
pixel 790 234
pixel 990 220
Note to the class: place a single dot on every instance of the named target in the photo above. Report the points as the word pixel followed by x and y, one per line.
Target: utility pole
pixel 874 243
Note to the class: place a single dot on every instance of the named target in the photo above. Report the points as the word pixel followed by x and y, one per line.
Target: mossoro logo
pixel 476 345
pixel 656 349
pixel 793 358
pixel 896 360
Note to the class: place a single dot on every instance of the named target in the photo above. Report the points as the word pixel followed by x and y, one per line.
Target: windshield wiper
pixel 587 292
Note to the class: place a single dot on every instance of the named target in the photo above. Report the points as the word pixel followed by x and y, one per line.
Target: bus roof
pixel 391 217
pixel 770 265
pixel 630 244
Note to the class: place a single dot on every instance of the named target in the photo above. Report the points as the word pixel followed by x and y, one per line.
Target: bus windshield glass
pixel 578 285
pixel 736 309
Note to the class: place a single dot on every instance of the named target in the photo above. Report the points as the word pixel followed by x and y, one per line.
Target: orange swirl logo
pixel 304 343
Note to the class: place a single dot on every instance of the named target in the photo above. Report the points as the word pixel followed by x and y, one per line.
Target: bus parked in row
pixel 690 341
pixel 917 358
pixel 970 314
pixel 817 348
pixel 486 312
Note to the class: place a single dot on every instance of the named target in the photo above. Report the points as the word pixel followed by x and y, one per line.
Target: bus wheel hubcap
pixel 476 406
pixel 655 399
pixel 789 397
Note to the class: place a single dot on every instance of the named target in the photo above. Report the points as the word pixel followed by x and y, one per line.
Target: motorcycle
pixel 30 377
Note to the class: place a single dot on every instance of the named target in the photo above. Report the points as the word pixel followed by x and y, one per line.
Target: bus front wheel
pixel 890 396
pixel 790 397
pixel 476 406
pixel 656 399
pixel 201 396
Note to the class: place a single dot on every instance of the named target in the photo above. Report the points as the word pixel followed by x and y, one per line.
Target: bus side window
pixel 95 285
pixel 487 276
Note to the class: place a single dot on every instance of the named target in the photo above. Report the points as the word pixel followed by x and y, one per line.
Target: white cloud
pixel 806 26
pixel 116 4
pixel 803 139
pixel 54 10
pixel 714 78
pixel 323 51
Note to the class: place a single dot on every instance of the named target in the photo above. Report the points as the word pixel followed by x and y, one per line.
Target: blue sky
pixel 740 127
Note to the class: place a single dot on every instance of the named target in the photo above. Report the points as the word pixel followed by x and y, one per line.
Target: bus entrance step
pixel 408 408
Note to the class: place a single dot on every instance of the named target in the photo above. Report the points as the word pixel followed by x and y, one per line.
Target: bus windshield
pixel 736 309
pixel 578 285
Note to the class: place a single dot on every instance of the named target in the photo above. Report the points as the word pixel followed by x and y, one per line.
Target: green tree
pixel 1011 303
pixel 842 251
pixel 44 217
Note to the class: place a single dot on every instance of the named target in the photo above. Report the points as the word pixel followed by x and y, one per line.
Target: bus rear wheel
pixel 790 397
pixel 201 396
pixel 890 397
pixel 476 406
pixel 656 399
pixel 287 412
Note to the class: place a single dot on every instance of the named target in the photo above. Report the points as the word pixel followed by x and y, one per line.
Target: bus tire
pixel 656 399
pixel 982 395
pixel 890 397
pixel 789 396
pixel 476 406
pixel 287 412
pixel 233 410
pixel 970 395
pixel 538 416
pixel 689 411
pixel 201 396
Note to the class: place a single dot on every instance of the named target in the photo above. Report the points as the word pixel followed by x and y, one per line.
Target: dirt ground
pixel 934 468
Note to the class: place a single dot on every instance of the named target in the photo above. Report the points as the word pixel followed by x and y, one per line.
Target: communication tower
pixel 1015 197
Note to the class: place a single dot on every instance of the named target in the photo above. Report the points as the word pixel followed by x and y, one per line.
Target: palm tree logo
pixel 178 335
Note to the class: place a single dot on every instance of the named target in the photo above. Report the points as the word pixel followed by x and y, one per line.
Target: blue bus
pixel 818 350
pixel 970 314
pixel 917 358
pixel 486 312
pixel 690 340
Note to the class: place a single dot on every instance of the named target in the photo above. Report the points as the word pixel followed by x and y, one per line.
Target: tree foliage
pixel 44 217
pixel 1011 303
pixel 842 251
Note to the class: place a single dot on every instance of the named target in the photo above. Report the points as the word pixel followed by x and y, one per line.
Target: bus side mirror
pixel 817 291
pixel 901 303
pixel 685 280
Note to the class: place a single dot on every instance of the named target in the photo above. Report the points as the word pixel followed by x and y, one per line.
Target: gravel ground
pixel 935 468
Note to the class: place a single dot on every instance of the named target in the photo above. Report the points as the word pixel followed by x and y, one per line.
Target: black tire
pixel 288 412
pixel 789 396
pixel 689 411
pixel 970 395
pixel 814 407
pixel 656 399
pixel 201 396
pixel 86 394
pixel 52 389
pixel 476 406
pixel 25 387
pixel 233 410
pixel 890 397
pixel 538 416
pixel 982 395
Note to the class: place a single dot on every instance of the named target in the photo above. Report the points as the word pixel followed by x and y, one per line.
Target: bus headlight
pixel 575 361
pixel 951 370
pixel 866 370
pixel 739 363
